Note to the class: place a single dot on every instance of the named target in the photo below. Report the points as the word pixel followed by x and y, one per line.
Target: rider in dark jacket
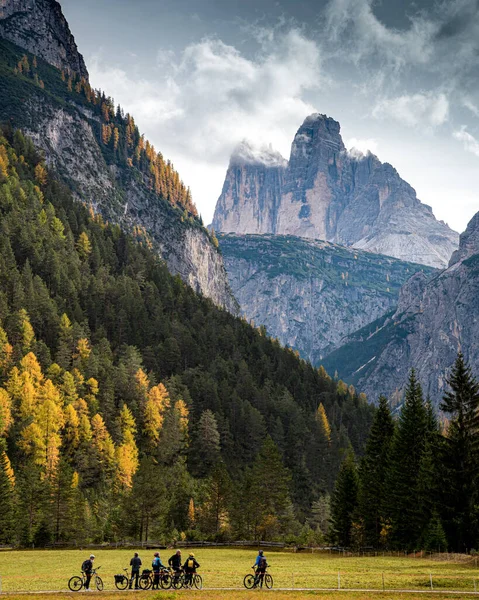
pixel 190 567
pixel 135 564
pixel 175 561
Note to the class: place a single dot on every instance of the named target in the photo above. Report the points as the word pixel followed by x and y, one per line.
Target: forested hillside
pixel 132 407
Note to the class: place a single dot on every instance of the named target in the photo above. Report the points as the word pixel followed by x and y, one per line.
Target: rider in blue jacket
pixel 157 566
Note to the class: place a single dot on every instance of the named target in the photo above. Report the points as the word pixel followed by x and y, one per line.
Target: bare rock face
pixel 310 294
pixel 40 27
pixel 433 321
pixel 328 193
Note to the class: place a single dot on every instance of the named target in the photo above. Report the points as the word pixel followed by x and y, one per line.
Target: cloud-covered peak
pixel 246 153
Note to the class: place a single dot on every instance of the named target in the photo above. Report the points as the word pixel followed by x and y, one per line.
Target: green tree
pixel 372 473
pixel 461 456
pixel 344 502
pixel 7 499
pixel 402 503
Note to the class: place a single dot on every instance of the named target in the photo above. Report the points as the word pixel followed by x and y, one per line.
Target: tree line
pixel 132 408
pixel 417 485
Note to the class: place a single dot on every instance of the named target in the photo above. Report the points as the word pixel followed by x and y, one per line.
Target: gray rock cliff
pixel 434 320
pixel 328 193
pixel 40 27
pixel 310 294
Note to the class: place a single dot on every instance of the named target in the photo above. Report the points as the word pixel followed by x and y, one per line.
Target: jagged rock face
pixel 310 294
pixel 434 320
pixel 328 193
pixel 40 27
pixel 72 150
pixel 251 191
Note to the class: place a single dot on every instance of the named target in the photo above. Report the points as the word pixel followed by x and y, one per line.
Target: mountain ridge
pixel 325 192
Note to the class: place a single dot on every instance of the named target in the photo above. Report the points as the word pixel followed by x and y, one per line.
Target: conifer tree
pixel 7 498
pixel 461 456
pixel 372 473
pixel 408 445
pixel 344 502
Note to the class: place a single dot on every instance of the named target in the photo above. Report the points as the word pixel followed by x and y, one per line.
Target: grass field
pixel 37 570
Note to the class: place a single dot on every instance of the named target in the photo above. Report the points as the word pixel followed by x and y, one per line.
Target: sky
pixel 199 76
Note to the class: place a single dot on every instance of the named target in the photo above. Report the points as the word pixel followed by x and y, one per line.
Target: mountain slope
pixel 99 152
pixel 310 294
pixel 40 27
pixel 327 193
pixel 106 359
pixel 434 320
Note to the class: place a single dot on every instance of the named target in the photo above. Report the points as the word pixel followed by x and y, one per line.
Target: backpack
pixel 191 563
pixel 86 565
pixel 262 563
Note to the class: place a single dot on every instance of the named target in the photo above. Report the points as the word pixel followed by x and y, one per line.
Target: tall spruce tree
pixel 401 501
pixel 344 501
pixel 372 473
pixel 461 457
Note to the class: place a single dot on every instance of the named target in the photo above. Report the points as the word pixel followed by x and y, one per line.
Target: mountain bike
pixel 177 580
pixel 193 580
pixel 122 580
pixel 76 583
pixel 147 579
pixel 255 579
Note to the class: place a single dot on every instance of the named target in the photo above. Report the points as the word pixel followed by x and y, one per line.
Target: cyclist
pixel 175 563
pixel 190 567
pixel 135 564
pixel 157 565
pixel 260 566
pixel 87 568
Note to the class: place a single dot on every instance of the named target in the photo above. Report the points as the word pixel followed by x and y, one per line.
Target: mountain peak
pixel 468 242
pixel 40 27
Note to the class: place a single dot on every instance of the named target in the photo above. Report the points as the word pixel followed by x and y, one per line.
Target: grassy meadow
pixel 40 570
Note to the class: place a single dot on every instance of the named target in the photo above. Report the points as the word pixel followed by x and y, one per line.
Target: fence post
pixel 292 580
pixel 339 580
pixel 383 582
pixel 430 579
pixel 475 587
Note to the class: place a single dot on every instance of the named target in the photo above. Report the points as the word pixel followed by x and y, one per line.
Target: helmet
pixel 260 553
pixel 192 555
pixel 157 554
pixel 92 556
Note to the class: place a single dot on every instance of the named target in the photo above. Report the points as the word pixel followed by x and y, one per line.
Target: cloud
pixel 212 96
pixel 360 147
pixel 427 109
pixel 470 143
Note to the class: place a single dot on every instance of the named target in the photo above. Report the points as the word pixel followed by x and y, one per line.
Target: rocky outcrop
pixel 328 193
pixel 310 294
pixel 252 191
pixel 40 27
pixel 434 320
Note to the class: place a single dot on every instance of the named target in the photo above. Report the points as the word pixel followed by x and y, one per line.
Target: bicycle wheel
pixel 166 581
pixel 268 581
pixel 197 581
pixel 248 581
pixel 75 583
pixel 178 582
pixel 99 583
pixel 121 584
pixel 145 582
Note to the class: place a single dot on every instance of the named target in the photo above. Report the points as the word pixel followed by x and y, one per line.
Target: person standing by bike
pixel 175 561
pixel 190 567
pixel 260 566
pixel 87 568
pixel 157 565
pixel 135 564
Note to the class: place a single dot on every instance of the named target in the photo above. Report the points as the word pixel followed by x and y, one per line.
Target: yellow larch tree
pixel 127 450
pixel 6 418
pixel 323 422
pixel 153 413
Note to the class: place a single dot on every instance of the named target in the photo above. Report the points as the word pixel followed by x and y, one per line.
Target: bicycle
pixel 122 580
pixel 193 580
pixel 147 579
pixel 177 580
pixel 255 579
pixel 77 582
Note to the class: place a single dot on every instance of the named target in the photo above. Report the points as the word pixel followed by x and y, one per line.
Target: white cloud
pixel 426 109
pixel 470 143
pixel 213 96
pixel 360 147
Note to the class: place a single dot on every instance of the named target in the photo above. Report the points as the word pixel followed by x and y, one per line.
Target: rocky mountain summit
pixel 325 192
pixel 66 119
pixel 434 320
pixel 308 293
pixel 40 27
